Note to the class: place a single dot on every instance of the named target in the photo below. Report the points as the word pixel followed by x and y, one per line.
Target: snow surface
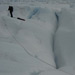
pixel 35 37
pixel 68 69
pixel 27 47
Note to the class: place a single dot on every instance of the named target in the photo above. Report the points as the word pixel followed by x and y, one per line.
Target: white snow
pixel 35 37
pixel 28 47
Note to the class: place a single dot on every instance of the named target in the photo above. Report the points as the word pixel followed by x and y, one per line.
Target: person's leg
pixel 11 14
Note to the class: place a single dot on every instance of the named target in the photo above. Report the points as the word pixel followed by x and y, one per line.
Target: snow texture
pixel 27 47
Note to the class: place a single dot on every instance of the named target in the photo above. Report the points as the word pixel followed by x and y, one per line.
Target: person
pixel 11 10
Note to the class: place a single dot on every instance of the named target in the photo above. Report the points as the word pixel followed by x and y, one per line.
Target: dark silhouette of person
pixel 11 10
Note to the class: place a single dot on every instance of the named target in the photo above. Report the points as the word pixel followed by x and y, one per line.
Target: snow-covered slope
pixel 26 47
pixel 34 36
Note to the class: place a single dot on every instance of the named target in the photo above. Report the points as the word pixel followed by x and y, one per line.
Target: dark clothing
pixel 11 14
pixel 11 10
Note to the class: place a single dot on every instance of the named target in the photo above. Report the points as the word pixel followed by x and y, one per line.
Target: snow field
pixel 35 37
pixel 26 48
pixel 29 46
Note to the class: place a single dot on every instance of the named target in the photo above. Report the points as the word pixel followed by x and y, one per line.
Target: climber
pixel 11 10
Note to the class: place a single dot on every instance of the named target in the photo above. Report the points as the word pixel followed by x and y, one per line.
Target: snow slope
pixel 34 36
pixel 14 58
pixel 26 47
